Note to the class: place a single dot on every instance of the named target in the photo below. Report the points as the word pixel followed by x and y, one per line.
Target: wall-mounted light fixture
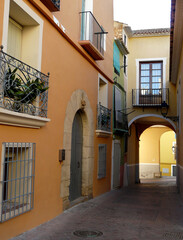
pixel 164 112
pixel 174 149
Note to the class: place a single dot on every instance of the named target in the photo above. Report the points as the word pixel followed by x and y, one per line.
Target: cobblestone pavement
pixel 148 211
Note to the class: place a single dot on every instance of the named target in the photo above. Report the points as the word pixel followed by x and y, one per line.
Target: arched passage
pixel 136 127
pixel 155 152
pixel 78 102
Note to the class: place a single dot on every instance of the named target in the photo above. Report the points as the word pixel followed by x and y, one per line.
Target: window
pixel 103 113
pixel 17 179
pixel 14 39
pixel 118 106
pixel 103 92
pixel 125 72
pixel 151 74
pixel 125 39
pixel 102 160
pixel 22 33
pixel 103 39
pixel 150 77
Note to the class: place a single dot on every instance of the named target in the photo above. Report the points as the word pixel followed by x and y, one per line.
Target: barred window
pixel 102 160
pixel 17 179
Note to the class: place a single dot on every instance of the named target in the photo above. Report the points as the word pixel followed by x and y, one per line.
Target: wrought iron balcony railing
pixel 52 5
pixel 150 97
pixel 120 121
pixel 103 118
pixel 23 89
pixel 92 34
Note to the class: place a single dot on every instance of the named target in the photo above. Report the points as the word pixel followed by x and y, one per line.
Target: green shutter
pixel 116 57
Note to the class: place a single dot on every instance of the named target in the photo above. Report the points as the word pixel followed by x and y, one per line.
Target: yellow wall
pixel 167 157
pixel 148 47
pixel 150 144
pixel 166 143
pixel 156 144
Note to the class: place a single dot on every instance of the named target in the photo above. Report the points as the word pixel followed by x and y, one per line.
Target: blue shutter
pixel 116 57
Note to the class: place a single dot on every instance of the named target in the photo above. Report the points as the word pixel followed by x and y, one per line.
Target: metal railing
pixel 17 185
pixel 23 89
pixel 92 31
pixel 120 120
pixel 103 118
pixel 150 97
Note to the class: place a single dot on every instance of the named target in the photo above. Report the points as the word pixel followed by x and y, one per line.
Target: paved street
pixel 148 211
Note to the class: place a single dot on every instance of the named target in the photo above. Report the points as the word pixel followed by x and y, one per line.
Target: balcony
pixel 103 118
pixel 150 97
pixel 92 36
pixel 52 5
pixel 120 121
pixel 23 89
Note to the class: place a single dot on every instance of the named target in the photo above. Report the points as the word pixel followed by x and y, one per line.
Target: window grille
pixel 102 160
pixel 17 179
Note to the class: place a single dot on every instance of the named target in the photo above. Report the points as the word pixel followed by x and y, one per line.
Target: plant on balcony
pixel 21 91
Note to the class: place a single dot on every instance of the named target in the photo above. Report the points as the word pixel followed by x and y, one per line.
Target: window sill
pixel 21 119
pixel 104 134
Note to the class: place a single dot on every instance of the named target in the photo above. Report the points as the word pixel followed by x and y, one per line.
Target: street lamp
pixel 164 112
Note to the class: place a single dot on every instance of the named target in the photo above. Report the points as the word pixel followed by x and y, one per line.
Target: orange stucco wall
pixel 69 71
pixel 1 18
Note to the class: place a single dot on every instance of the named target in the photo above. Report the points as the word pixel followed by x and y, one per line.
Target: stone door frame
pixel 78 101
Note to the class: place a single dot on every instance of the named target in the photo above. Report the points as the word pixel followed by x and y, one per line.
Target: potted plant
pixel 22 90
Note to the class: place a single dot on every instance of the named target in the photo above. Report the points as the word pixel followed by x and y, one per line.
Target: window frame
pixel 150 82
pixel 150 60
pixel 104 82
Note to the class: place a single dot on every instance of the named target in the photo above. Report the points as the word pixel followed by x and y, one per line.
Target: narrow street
pixel 148 211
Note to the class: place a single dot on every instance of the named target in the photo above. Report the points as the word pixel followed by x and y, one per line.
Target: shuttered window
pixel 14 39
pixel 102 149
pixel 116 58
pixel 118 104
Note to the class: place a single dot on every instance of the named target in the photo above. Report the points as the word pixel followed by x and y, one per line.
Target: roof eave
pixel 123 49
pixel 176 40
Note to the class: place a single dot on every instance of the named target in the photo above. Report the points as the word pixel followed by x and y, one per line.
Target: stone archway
pixel 78 101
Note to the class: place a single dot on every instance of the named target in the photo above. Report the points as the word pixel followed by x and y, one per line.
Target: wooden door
pixel 76 158
pixel 116 164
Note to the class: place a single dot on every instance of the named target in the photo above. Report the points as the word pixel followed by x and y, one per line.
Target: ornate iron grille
pixel 56 3
pixel 150 97
pixel 22 88
pixel 17 185
pixel 52 5
pixel 92 31
pixel 120 120
pixel 103 118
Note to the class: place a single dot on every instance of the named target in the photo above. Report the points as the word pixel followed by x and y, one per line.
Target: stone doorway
pixel 78 102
